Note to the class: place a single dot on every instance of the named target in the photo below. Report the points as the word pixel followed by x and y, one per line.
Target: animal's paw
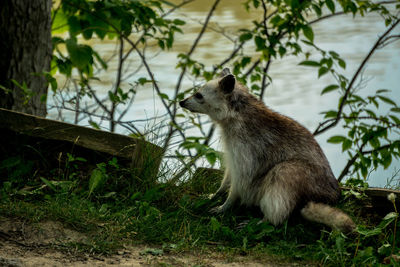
pixel 217 210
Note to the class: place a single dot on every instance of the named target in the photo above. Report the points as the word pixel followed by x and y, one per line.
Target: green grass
pixel 123 209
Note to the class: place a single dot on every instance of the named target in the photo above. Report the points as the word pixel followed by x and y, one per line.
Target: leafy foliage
pixel 113 19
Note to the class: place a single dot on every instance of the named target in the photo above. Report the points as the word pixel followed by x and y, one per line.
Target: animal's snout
pixel 182 103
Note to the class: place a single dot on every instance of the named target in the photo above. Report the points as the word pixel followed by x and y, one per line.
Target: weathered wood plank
pixel 136 150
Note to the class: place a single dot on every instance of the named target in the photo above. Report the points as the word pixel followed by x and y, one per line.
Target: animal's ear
pixel 224 72
pixel 227 84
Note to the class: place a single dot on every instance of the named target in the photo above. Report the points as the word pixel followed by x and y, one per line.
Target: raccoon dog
pixel 271 160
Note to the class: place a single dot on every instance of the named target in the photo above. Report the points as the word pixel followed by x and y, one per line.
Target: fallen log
pixel 60 137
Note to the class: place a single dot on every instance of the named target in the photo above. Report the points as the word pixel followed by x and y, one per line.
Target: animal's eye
pixel 198 96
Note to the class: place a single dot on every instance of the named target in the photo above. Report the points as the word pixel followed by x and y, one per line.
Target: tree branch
pixel 321 129
pixel 356 156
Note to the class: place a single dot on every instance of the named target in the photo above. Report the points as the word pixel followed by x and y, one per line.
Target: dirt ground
pixel 41 244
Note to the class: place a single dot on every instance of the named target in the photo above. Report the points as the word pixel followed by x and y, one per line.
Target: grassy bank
pixel 114 207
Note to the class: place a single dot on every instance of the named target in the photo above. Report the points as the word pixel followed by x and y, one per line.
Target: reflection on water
pixel 295 90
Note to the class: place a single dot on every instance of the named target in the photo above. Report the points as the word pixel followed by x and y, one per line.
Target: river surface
pixel 295 90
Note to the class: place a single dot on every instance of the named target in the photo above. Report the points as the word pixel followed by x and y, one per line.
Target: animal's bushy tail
pixel 328 215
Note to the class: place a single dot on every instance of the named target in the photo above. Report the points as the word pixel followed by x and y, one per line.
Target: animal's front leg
pixel 225 184
pixel 228 203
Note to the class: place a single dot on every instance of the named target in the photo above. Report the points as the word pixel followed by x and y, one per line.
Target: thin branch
pixel 265 70
pixel 197 40
pixel 250 70
pixel 176 7
pixel 117 83
pixel 356 156
pixel 98 101
pixel 229 58
pixel 178 85
pixel 321 129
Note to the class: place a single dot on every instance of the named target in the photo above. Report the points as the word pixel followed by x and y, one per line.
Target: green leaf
pixel 310 63
pixel 342 63
pixel 382 91
pixel 245 36
pixel 282 51
pixel 74 26
pixel 308 33
pixel 322 71
pixel 317 10
pixel 331 114
pixel 395 119
pixel 387 160
pixel 375 142
pixel 80 55
pixel 245 61
pixel 96 179
pixel 99 26
pixel 387 100
pixel 161 44
pixel 163 96
pixel 364 171
pixel 65 67
pixel 211 157
pixel 59 22
pixel 94 125
pixel 143 80
pixel 346 144
pixel 331 5
pixel 113 97
pixel 336 139
pixel 178 22
pixel 372 232
pixel 388 219
pixel 391 216
pixel 329 88
pixel 256 3
pixel 260 43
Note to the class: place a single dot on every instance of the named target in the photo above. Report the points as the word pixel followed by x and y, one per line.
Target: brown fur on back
pixel 272 138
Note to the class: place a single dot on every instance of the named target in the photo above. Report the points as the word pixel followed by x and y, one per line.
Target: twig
pixel 265 70
pixel 356 156
pixel 321 129
pixel 178 85
pixel 117 83
pixel 195 43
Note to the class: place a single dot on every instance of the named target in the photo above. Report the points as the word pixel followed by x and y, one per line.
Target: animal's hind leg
pixel 279 191
pixel 276 205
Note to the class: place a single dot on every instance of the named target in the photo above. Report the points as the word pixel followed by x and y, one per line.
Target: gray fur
pixel 271 160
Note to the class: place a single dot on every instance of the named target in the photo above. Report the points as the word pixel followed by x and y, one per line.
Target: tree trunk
pixel 25 53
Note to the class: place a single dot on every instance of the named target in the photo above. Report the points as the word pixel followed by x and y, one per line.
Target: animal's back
pixel 258 139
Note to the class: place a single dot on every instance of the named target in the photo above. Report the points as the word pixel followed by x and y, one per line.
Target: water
pixel 295 90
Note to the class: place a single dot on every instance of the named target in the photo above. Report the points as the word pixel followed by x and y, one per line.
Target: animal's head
pixel 213 97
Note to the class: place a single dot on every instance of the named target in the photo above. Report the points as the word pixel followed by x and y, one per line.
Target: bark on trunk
pixel 25 52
